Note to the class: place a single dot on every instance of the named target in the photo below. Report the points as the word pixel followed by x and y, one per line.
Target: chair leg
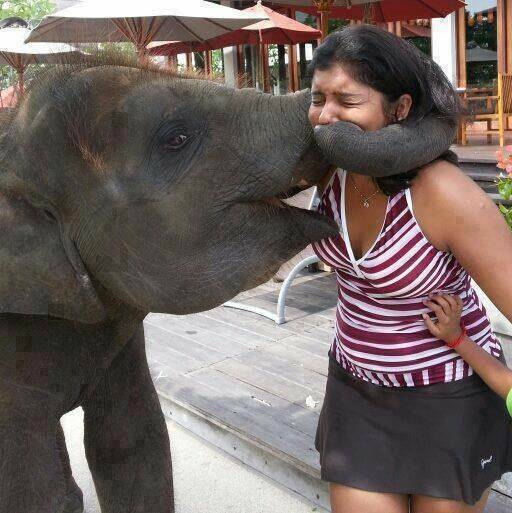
pixel 463 138
pixel 489 128
pixel 501 130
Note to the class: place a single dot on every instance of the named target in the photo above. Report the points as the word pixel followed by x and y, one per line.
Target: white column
pixel 444 45
pixel 230 57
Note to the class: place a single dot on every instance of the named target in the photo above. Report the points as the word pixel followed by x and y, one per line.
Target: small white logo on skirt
pixel 484 462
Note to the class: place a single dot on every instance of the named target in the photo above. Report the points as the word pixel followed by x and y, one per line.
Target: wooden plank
pixel 190 331
pixel 175 362
pixel 259 401
pixel 271 382
pixel 291 444
pixel 295 374
pixel 181 345
pixel 246 337
pixel 299 357
pixel 252 323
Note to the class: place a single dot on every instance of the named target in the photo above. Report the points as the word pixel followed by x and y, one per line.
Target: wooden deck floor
pixel 258 381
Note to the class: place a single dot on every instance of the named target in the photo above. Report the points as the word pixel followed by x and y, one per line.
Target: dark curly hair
pixel 392 66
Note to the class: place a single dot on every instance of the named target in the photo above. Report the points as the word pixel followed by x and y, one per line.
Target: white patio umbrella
pixel 140 22
pixel 16 53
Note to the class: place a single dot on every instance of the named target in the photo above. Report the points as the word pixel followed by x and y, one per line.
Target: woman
pixel 406 423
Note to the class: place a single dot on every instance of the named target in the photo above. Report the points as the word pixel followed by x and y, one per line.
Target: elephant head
pixel 131 186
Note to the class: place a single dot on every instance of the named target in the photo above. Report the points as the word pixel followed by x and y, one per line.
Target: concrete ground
pixel 206 480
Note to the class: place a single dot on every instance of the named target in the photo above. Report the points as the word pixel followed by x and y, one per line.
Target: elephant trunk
pixel 395 149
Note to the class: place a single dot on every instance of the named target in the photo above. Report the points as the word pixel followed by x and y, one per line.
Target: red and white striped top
pixel 380 336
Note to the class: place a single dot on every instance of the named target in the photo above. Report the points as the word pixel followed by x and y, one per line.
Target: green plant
pixel 504 182
pixel 31 11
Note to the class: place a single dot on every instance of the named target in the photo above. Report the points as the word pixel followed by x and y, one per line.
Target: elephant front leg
pixel 35 475
pixel 126 438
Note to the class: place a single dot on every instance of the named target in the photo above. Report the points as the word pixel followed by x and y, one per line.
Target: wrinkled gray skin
pixel 104 218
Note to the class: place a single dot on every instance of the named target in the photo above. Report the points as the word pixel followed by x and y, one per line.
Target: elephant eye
pixel 177 141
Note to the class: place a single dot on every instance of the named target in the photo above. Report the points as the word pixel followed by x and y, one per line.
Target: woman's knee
pixel 345 499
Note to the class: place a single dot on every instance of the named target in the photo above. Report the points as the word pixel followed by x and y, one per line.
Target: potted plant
pixel 504 181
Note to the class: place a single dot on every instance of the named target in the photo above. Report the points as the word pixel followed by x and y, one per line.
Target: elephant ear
pixel 36 275
pixel 393 150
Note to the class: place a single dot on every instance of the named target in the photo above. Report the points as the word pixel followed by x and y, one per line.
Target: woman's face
pixel 336 96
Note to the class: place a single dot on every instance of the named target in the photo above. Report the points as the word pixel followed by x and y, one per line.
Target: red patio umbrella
pixel 278 29
pixel 383 10
pixel 378 11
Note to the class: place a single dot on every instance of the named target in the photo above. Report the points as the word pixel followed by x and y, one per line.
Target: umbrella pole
pixel 21 81
pixel 141 54
pixel 324 7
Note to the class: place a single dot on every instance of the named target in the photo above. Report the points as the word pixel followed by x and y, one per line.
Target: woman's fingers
pixel 451 301
pixel 430 325
pixel 443 303
pixel 438 310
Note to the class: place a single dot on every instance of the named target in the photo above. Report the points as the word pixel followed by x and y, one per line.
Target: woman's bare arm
pixel 468 223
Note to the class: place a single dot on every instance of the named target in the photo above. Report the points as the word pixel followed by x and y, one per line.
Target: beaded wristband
pixel 509 402
pixel 459 339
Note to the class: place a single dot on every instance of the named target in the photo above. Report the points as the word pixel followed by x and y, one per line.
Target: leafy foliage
pixel 504 182
pixel 30 10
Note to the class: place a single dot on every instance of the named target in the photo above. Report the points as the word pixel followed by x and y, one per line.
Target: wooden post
pixel 293 70
pixel 398 28
pixel 208 62
pixel 264 68
pixel 501 34
pixel 324 23
pixel 323 7
pixel 293 78
pixel 461 47
pixel 508 45
pixel 188 57
pixel 240 65
pixel 319 27
pixel 391 27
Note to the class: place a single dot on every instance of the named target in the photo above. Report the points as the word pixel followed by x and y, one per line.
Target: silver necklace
pixel 364 199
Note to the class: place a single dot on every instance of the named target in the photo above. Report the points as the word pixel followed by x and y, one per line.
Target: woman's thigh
pixel 345 499
pixel 423 504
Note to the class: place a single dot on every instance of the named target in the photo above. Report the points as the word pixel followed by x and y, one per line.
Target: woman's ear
pixel 402 107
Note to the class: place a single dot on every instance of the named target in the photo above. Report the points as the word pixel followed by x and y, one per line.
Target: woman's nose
pixel 328 116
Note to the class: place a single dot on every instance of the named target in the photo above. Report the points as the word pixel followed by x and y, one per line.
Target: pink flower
pixel 509 170
pixel 508 148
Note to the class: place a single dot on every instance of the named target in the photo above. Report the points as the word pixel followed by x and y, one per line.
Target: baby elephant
pixel 125 191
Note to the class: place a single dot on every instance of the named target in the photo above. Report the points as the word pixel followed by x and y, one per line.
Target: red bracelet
pixel 459 339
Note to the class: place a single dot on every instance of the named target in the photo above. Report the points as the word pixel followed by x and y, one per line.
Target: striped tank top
pixel 380 336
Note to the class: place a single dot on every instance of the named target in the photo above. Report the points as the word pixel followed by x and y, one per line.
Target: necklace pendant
pixel 366 204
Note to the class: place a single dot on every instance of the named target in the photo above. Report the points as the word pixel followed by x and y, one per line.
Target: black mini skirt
pixel 447 440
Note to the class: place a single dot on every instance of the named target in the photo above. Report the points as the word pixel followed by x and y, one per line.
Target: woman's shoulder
pixel 442 192
pixel 443 184
pixel 440 174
